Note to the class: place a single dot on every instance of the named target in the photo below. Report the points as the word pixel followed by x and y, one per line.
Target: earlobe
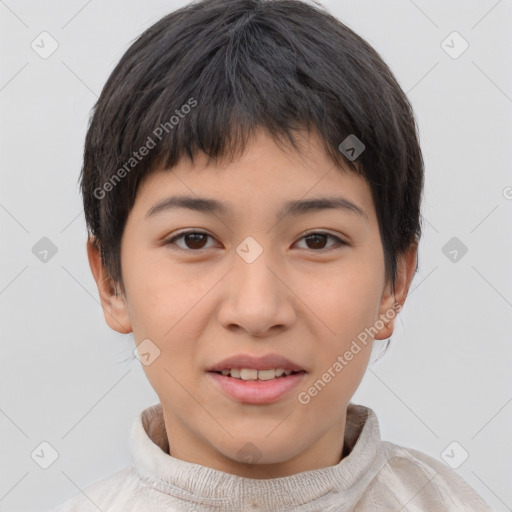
pixel 115 308
pixel 392 303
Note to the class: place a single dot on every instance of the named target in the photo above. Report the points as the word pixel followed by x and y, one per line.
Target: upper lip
pixel 265 362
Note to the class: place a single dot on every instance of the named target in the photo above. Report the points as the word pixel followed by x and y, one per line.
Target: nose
pixel 257 298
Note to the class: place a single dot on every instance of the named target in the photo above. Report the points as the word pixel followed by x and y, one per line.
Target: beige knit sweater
pixel 376 476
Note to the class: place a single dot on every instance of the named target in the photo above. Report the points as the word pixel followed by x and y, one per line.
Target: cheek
pixel 167 309
pixel 160 293
pixel 346 298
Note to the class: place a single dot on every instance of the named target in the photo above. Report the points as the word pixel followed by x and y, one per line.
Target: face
pixel 253 278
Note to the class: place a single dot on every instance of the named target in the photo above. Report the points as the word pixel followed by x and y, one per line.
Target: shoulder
pixel 417 481
pixel 106 494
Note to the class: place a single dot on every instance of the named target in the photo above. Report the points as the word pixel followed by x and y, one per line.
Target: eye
pixel 193 240
pixel 317 239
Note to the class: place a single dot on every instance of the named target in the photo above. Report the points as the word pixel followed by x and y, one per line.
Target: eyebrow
pixel 294 208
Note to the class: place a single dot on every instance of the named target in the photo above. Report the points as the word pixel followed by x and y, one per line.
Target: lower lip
pixel 257 391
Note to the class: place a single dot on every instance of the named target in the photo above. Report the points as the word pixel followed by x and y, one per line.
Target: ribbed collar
pixel 344 483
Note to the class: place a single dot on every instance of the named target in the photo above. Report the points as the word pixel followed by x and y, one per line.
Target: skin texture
pixel 306 299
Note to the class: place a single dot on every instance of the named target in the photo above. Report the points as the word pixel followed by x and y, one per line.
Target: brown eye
pixel 318 241
pixel 191 240
pixel 195 240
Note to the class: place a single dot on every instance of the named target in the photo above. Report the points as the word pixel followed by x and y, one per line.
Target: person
pixel 252 186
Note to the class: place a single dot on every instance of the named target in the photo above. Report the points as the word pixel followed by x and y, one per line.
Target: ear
pixel 115 308
pixel 391 303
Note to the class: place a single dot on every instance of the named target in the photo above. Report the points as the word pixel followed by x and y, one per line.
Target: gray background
pixel 69 380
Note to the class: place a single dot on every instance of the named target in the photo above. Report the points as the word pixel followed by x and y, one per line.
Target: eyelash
pixel 339 245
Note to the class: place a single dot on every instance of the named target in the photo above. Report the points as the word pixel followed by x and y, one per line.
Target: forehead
pixel 265 176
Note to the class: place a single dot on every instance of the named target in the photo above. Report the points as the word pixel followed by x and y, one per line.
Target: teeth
pixel 266 374
pixel 246 374
pixel 252 374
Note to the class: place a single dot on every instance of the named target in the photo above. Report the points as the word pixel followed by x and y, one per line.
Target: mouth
pixel 266 366
pixel 256 379
pixel 244 385
pixel 251 374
